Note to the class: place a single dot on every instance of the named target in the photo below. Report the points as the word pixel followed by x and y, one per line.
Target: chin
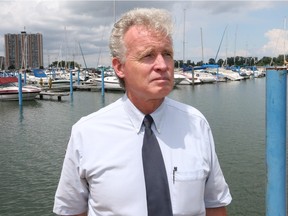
pixel 164 91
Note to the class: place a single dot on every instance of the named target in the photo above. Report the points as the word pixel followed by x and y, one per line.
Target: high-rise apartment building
pixel 2 59
pixel 23 50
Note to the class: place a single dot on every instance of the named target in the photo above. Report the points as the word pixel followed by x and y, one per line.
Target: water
pixel 34 138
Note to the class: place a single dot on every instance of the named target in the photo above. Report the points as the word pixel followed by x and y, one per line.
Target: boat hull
pixel 11 93
pixel 110 83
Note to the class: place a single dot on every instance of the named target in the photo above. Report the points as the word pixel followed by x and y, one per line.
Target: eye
pixel 168 54
pixel 148 55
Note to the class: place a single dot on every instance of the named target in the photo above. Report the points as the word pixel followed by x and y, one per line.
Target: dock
pixel 93 88
pixel 59 95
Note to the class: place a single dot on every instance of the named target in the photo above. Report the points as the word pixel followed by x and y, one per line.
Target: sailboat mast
pixel 284 56
pixel 82 55
pixel 23 50
pixel 184 36
pixel 220 43
pixel 202 45
pixel 235 45
pixel 114 8
pixel 66 49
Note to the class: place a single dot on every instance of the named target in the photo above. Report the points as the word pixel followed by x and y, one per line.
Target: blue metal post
pixel 20 89
pixel 276 85
pixel 25 78
pixel 193 77
pixel 102 82
pixel 71 84
pixel 78 80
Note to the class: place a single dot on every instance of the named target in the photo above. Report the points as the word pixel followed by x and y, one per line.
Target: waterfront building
pixel 2 59
pixel 23 50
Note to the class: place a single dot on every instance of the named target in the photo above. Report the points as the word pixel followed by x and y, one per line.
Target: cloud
pixel 230 7
pixel 277 42
pixel 66 24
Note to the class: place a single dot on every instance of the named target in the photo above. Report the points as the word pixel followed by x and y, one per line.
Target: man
pixel 103 170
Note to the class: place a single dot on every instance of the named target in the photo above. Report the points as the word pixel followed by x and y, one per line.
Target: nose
pixel 160 63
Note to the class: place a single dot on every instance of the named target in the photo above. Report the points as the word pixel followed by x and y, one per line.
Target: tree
pixel 199 63
pixel 211 61
pixel 65 64
pixel 11 67
pixel 220 62
pixel 264 61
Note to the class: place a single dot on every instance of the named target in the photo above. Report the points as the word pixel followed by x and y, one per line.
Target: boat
pixel 205 77
pixel 189 79
pixel 178 78
pixel 9 90
pixel 231 75
pixel 49 82
pixel 110 83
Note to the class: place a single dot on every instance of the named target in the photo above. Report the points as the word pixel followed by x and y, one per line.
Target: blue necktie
pixel 157 189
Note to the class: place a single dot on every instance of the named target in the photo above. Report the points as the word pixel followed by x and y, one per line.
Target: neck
pixel 147 106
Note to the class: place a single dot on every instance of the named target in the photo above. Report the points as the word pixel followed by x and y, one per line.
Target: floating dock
pixel 59 95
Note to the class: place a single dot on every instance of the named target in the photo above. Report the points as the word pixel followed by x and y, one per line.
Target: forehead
pixel 141 35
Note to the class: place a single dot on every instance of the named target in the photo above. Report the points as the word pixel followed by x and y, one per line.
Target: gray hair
pixel 158 20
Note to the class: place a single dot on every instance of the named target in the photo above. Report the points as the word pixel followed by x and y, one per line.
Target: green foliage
pixel 11 67
pixel 65 64
pixel 239 61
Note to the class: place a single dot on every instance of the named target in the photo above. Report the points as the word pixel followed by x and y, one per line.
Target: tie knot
pixel 148 120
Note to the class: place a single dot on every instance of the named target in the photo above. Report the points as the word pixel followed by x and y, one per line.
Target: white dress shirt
pixel 103 172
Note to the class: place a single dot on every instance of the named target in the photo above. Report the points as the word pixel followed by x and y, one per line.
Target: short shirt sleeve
pixel 72 192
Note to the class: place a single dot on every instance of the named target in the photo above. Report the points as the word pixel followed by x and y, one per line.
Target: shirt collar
pixel 157 116
pixel 136 116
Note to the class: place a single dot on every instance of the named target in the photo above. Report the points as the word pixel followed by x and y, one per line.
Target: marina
pixel 48 83
pixel 34 138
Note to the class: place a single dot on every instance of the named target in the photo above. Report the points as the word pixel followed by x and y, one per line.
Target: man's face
pixel 148 70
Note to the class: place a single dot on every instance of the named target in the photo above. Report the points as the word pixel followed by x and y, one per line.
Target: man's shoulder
pixel 179 111
pixel 183 108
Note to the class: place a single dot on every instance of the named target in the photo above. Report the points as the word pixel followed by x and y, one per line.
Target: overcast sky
pixel 253 28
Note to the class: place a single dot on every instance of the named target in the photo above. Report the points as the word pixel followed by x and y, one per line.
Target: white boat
pixel 49 82
pixel 9 90
pixel 258 74
pixel 110 83
pixel 205 77
pixel 231 75
pixel 189 80
pixel 178 78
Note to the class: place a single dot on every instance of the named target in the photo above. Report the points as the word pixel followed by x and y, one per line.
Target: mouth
pixel 161 79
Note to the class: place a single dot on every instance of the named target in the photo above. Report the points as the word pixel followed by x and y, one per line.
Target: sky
pixel 79 30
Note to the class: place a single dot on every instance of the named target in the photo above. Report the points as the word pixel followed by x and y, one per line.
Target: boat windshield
pixel 5 85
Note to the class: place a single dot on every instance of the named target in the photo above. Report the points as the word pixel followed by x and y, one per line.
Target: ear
pixel 118 67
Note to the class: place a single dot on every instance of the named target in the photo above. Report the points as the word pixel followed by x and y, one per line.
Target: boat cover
pixel 39 73
pixel 4 80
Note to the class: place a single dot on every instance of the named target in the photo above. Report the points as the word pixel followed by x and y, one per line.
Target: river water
pixel 33 141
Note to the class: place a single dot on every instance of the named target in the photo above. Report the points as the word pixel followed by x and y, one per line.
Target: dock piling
pixel 102 82
pixel 276 88
pixel 20 89
pixel 71 84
